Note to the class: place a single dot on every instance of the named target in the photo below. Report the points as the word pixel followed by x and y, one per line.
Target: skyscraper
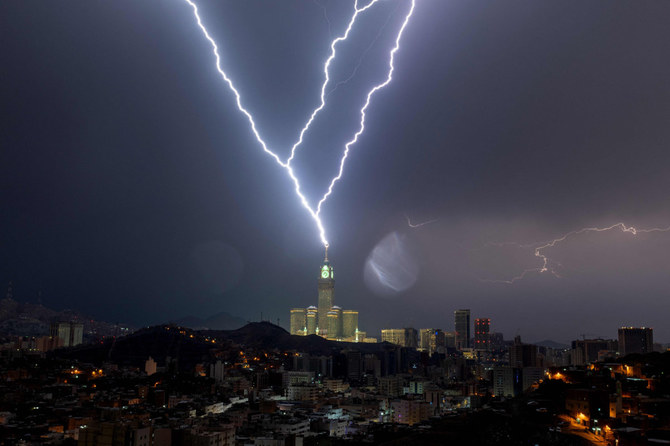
pixel 298 321
pixel 335 323
pixel 482 338
pixel 462 326
pixel 349 323
pixel 311 318
pixel 326 285
pixel 635 340
pixel 326 319
pixel 432 340
pixel 522 355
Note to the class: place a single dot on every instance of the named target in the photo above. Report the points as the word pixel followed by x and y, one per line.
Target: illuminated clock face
pixel 324 273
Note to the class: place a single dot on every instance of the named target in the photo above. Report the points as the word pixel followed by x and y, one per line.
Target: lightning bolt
pixel 326 73
pixel 418 225
pixel 314 213
pixel 360 59
pixel 545 260
pixel 374 90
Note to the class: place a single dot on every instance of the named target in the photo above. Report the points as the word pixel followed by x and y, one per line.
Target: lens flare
pixel 391 268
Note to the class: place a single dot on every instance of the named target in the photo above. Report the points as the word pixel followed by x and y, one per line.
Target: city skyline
pixel 133 190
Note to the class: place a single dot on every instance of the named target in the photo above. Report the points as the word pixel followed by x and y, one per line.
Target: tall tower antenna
pixel 326 257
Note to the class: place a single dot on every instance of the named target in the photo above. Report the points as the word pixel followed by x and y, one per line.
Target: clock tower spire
pixel 326 285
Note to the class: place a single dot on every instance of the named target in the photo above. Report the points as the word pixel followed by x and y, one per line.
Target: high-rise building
pixel 424 338
pixel 76 333
pixel 217 371
pixel 326 319
pixel 432 340
pixel 71 333
pixel 349 323
pixel 326 284
pixel 482 337
pixel 311 319
pixel 404 337
pixel 462 326
pixel 522 355
pixel 507 381
pixel 512 381
pixel 335 323
pixel 298 321
pixel 635 340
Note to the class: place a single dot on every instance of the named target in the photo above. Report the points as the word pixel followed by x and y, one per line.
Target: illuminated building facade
pixel 432 340
pixel 71 333
pixel 327 320
pixel 462 326
pixel 334 323
pixel 311 318
pixel 349 323
pixel 298 321
pixel 482 334
pixel 404 337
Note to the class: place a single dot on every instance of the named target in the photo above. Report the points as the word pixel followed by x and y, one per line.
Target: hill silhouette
pixel 189 347
pixel 219 321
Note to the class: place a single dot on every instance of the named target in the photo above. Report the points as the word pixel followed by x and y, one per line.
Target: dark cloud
pixel 123 158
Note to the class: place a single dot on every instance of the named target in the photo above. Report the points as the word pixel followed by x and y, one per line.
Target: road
pixel 572 428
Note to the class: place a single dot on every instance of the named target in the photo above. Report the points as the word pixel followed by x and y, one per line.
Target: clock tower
pixel 326 294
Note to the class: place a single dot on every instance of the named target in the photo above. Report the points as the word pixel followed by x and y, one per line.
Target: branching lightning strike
pixel 326 73
pixel 375 89
pixel 362 56
pixel 546 262
pixel 287 165
pixel 325 17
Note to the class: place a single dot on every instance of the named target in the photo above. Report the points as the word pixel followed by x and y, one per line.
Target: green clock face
pixel 324 273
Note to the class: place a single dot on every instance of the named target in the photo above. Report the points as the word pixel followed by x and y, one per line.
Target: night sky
pixel 133 190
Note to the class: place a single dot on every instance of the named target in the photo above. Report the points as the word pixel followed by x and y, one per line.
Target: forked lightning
pixel 546 262
pixel 314 213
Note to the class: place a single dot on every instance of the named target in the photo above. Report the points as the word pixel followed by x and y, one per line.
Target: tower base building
pixel 326 319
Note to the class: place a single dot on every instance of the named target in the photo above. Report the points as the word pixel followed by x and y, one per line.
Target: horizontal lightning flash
pixel 287 165
pixel 418 225
pixel 546 262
